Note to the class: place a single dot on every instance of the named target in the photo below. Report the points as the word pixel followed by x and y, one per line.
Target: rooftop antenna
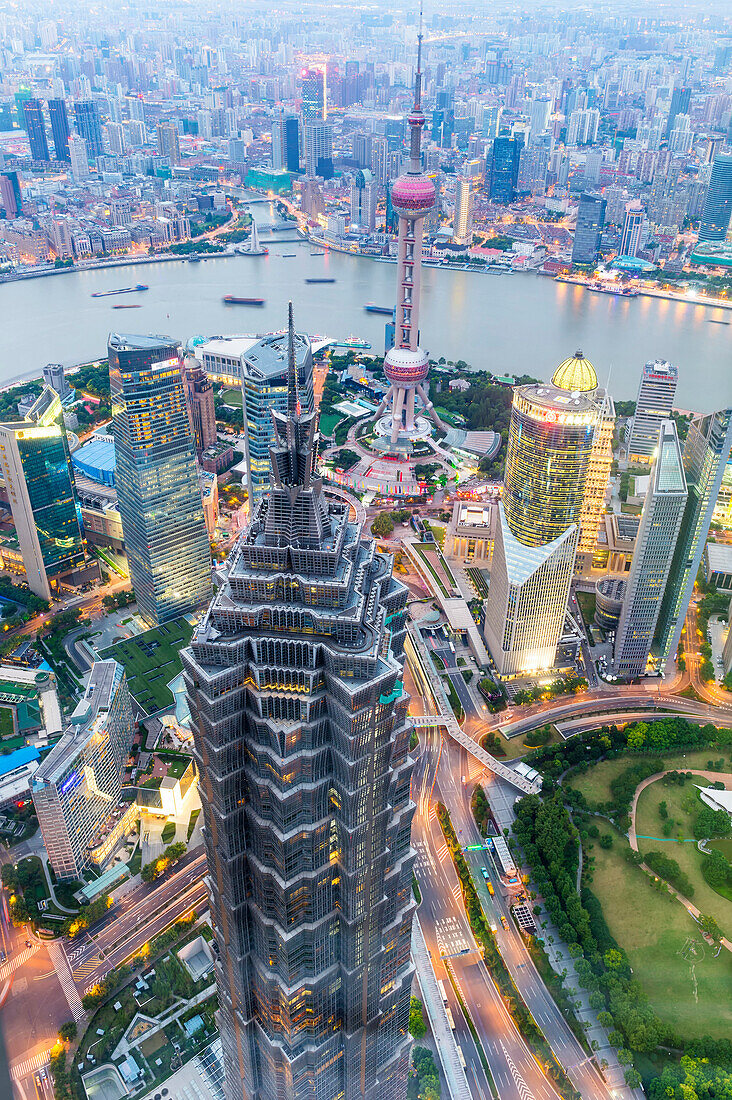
pixel 418 78
pixel 294 407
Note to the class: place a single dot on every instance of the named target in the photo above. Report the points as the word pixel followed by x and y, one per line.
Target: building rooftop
pixel 97 698
pixel 575 374
pixel 719 557
pixel 125 342
pixel 267 358
pixel 18 759
pixel 96 459
pixel 668 471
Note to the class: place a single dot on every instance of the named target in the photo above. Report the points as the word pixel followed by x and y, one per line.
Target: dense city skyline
pixel 365 596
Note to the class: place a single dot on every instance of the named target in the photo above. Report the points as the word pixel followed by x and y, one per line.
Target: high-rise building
pixel 706 454
pixel 89 126
pixel 314 94
pixel 539 117
pixel 680 103
pixel 319 149
pixel 301 739
pixel 364 196
pixel 655 401
pixel 553 439
pixel 35 127
pixel 504 169
pixel 156 478
pixel 35 462
pixel 462 225
pixel 380 160
pixel 632 234
pixel 718 203
pixel 286 143
pixel 406 365
pixel 264 389
pixel 10 194
pixel 588 231
pixel 79 783
pixel 59 127
pixel 115 138
pixel 79 158
pixel 200 400
pixel 168 142
pixel 54 376
pixel 654 548
pixel 583 126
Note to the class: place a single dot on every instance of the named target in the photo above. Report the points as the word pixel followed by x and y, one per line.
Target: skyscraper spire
pixel 294 408
pixel 416 117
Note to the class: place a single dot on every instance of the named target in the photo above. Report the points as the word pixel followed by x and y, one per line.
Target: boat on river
pixel 119 290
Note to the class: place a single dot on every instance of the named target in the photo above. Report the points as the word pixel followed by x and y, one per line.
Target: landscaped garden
pixel 151 660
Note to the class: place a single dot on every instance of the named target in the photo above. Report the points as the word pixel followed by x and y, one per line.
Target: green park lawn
pixel 328 422
pixel 232 396
pixel 6 722
pixel 151 660
pixel 687 986
pixel 595 783
pixel 682 804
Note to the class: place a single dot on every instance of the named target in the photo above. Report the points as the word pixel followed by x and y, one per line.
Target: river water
pixel 515 324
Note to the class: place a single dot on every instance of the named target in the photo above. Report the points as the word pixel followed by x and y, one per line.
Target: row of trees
pixel 551 847
pixel 163 863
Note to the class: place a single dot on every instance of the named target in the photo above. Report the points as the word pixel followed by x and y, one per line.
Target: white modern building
pixel 462 224
pixel 78 785
pixel 527 600
pixel 654 403
pixel 654 550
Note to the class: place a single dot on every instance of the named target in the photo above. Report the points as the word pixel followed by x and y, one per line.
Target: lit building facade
pixel 656 393
pixel 78 785
pixel 632 232
pixel 36 466
pixel 462 226
pixel 301 737
pixel 659 527
pixel 706 454
pixel 588 230
pixel 156 478
pixel 557 456
pixel 718 203
pixel 201 406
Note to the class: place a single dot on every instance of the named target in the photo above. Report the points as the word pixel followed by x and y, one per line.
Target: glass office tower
pixel 706 454
pixel 35 463
pixel 35 127
pixel 59 128
pixel 718 203
pixel 157 480
pixel 301 735
pixel 89 126
pixel 264 390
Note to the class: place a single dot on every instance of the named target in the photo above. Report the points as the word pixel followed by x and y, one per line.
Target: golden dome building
pixel 557 471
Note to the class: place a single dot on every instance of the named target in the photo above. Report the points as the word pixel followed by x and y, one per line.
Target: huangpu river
pixel 509 324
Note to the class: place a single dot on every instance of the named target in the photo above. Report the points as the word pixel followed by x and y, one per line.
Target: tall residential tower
pixel 301 736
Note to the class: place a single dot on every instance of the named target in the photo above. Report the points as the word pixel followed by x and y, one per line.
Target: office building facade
pixel 301 738
pixel 718 203
pixel 557 431
pixel 680 103
pixel 319 149
pixel 36 467
pixel 168 142
pixel 10 194
pixel 631 236
pixel 462 224
pixel 588 230
pixel 201 407
pixel 59 128
pixel 89 126
pixel 79 783
pixel 35 127
pixel 286 143
pixel 264 389
pixel 655 401
pixel 79 158
pixel 504 169
pixel 314 94
pixel 156 478
pixel 706 454
pixel 364 196
pixel 659 527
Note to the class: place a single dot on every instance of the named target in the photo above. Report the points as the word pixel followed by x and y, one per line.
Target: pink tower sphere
pixel 413 196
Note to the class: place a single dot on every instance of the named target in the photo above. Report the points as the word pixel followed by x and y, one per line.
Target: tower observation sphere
pixel 404 367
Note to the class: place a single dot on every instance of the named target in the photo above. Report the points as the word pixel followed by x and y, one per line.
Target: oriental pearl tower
pixel 406 366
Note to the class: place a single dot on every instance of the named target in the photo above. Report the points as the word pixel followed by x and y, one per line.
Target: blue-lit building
pixel 35 127
pixel 59 128
pixel 35 463
pixel 96 459
pixel 158 493
pixel 504 169
pixel 718 204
